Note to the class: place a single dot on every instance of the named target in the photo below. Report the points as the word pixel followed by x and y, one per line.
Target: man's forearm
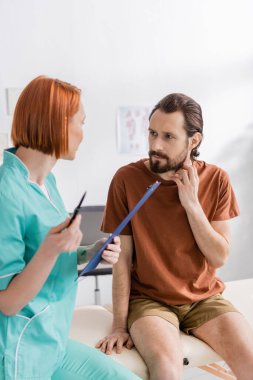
pixel 120 293
pixel 212 244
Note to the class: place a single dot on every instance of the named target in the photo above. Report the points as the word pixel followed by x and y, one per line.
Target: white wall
pixel 132 53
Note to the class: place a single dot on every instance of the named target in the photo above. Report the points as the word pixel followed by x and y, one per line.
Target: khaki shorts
pixel 184 317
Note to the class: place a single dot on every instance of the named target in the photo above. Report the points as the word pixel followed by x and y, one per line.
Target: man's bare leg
pixel 231 336
pixel 158 342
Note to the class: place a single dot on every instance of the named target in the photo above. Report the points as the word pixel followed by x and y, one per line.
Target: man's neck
pixel 38 163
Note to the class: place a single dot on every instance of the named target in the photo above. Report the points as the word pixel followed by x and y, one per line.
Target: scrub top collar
pixel 11 160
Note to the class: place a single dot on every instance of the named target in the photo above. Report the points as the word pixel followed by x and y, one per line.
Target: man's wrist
pixel 194 208
pixel 119 324
pixel 119 328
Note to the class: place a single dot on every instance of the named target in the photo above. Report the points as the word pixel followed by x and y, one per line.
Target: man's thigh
pixel 83 362
pixel 231 336
pixel 156 339
pixel 203 311
pixel 142 307
pixel 154 329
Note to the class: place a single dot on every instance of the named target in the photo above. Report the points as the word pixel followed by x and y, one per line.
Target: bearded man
pixel 165 278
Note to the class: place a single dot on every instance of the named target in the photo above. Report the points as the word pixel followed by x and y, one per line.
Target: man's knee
pixel 162 365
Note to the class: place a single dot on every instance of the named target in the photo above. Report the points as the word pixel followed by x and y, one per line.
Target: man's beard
pixel 170 165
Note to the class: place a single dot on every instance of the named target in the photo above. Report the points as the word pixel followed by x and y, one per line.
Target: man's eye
pixel 168 136
pixel 152 133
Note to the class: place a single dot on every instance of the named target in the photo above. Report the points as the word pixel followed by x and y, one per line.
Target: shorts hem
pixel 150 314
pixel 202 321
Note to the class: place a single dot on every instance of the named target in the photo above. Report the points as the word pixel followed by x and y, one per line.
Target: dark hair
pixel 190 109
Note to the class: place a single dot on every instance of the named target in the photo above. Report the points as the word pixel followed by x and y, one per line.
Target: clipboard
pixel 97 257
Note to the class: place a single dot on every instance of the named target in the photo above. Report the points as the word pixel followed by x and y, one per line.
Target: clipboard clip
pixel 155 184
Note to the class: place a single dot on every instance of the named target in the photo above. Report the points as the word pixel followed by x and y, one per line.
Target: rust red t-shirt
pixel 168 265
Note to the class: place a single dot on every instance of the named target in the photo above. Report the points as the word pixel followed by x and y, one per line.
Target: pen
pixel 77 209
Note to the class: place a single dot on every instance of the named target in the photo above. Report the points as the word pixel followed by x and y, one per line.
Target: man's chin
pixel 159 169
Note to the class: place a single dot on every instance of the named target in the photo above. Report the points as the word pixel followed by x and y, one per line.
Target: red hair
pixel 42 115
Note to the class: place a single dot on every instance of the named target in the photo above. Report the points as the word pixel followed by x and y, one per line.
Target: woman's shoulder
pixel 9 185
pixel 13 190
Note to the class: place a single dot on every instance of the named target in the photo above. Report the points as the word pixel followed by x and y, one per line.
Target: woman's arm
pixel 25 285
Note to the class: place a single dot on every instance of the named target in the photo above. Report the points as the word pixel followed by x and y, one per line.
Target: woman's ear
pixel 195 140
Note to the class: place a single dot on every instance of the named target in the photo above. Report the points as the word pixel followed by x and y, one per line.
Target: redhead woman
pixel 38 248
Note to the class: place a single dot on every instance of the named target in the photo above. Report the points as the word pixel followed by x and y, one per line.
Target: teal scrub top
pixel 32 342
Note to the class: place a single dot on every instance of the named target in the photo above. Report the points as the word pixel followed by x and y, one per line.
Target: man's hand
pixel 187 181
pixel 118 339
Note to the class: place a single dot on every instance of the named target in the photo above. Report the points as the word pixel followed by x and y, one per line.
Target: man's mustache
pixel 154 153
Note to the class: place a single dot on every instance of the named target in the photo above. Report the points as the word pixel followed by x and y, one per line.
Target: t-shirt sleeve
pixel 227 206
pixel 116 207
pixel 12 245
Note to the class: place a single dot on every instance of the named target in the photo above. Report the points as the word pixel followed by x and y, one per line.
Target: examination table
pixel 90 323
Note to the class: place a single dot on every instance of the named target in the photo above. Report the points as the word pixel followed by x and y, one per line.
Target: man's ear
pixel 195 140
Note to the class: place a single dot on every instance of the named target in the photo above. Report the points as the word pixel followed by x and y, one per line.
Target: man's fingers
pixel 191 174
pixel 99 343
pixel 129 343
pixel 119 346
pixel 178 182
pixel 106 345
pixel 110 344
pixel 185 177
pixel 103 347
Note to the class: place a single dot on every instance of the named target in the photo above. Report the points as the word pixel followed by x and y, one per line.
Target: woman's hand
pixel 63 238
pixel 112 251
pixel 26 284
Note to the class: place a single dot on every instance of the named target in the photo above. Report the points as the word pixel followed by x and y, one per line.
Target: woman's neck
pixel 39 164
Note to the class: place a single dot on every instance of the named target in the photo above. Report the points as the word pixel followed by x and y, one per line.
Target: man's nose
pixel 157 145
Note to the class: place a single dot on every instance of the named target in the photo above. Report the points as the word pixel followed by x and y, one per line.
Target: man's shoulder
pixel 131 168
pixel 208 169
